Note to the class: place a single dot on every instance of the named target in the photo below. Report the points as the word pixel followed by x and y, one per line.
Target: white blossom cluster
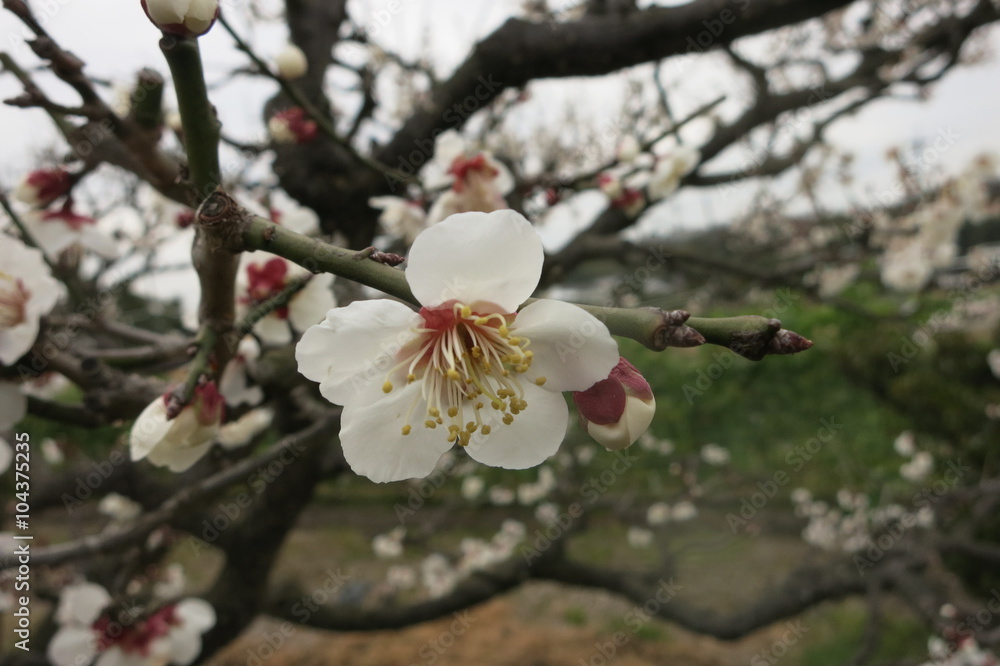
pixel 850 525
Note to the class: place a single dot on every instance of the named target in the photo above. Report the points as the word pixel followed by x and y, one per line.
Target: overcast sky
pixel 118 40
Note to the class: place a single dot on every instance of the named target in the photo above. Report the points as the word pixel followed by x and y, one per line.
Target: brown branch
pixel 189 496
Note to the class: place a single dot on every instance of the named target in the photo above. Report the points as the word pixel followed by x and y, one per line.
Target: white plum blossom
pixel 683 511
pixel 187 18
pixel 234 384
pixel 291 62
pixel 468 368
pixel 6 455
pixel 178 443
pixel 993 360
pixel 437 575
pixel 51 452
pixel 801 496
pixel 831 280
pixel 905 267
pixel 547 513
pixel 242 431
pixel 472 487
pixel 119 508
pixel 639 537
pixel 170 583
pixel 390 544
pixel 27 292
pixel 478 181
pixel 56 231
pixel 669 171
pixel 918 468
pixel 87 632
pixel 500 496
pixel 585 454
pixel 658 514
pixel 262 277
pixel 628 149
pixel 904 444
pixel 401 218
pixel 714 455
pixel 41 187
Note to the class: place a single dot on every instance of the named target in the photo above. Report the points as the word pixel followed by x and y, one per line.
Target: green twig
pixel 751 336
pixel 322 120
pixel 216 267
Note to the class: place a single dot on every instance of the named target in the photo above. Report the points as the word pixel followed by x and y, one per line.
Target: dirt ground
pixel 538 625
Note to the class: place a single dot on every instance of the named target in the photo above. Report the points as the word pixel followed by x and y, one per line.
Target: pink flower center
pixel 465 169
pixel 210 404
pixel 266 282
pixel 50 184
pixel 467 361
pixel 302 128
pixel 136 638
pixel 67 216
pixel 13 298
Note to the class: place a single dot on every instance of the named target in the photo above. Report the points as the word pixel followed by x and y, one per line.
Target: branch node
pixel 672 332
pixel 223 222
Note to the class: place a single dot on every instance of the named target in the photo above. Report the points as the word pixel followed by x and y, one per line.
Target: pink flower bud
pixel 43 186
pixel 292 126
pixel 617 410
pixel 184 18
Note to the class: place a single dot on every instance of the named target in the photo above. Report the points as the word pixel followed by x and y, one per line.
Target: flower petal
pixel 374 446
pixel 354 346
pixel 493 258
pixel 180 458
pixel 308 307
pixel 535 434
pixel 6 455
pixel 197 614
pixel 72 646
pixel 273 330
pixel 81 603
pixel 573 349
pixel 13 404
pixel 149 429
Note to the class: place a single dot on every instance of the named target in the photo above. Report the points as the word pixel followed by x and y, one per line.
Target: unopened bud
pixel 617 410
pixel 291 62
pixel 184 18
pixel 43 186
